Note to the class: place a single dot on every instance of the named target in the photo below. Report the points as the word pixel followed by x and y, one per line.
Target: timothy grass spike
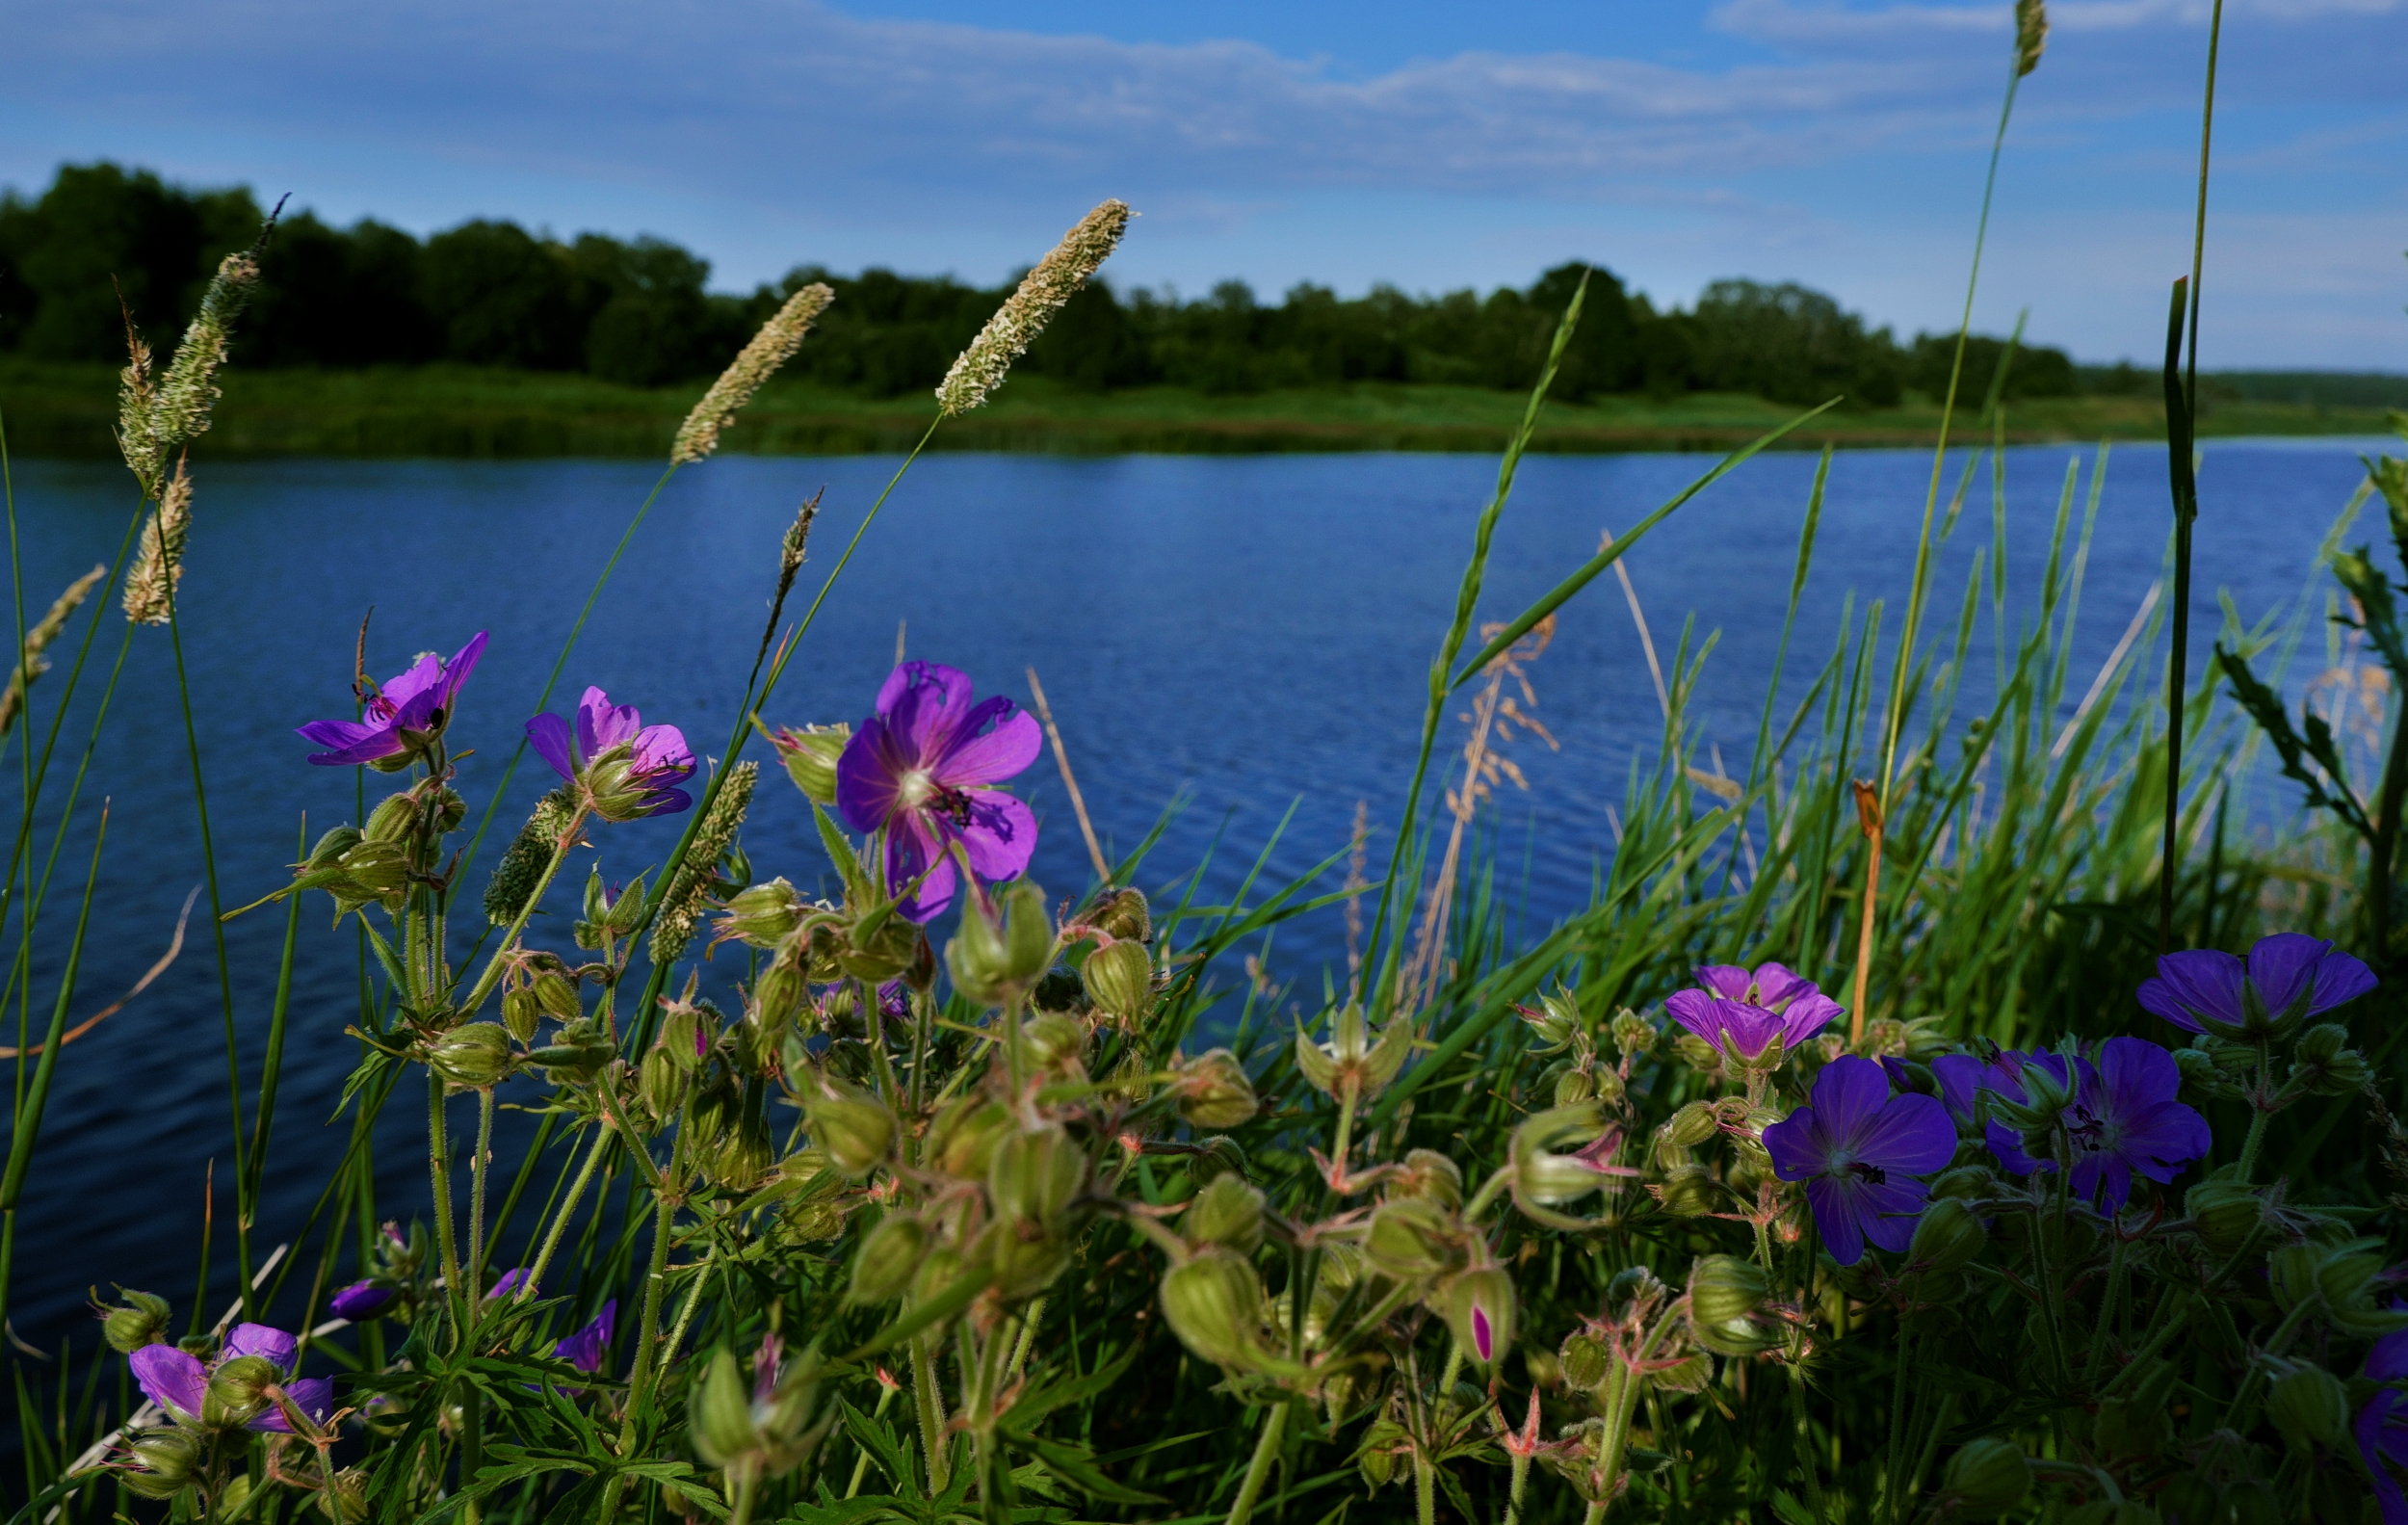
pixel 981 368
pixel 770 347
pixel 2031 34
pixel 159 562
pixel 32 664
pixel 190 387
pixel 681 906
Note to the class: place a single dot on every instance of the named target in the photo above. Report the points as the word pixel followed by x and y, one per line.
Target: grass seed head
pixel 770 347
pixel 983 366
pixel 159 563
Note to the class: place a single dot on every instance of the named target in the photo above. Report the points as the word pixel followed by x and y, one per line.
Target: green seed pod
pixel 142 1321
pixel 854 1129
pixel 1583 1360
pixel 164 1460
pixel 1003 950
pixel 1691 1125
pixel 1574 1087
pixel 1411 1239
pixel 1428 1174
pixel 1054 1042
pixel 347 1502
pixel 1948 1238
pixel 238 1390
pixel 1035 1175
pixel 720 1414
pixel 2291 1272
pixel 742 1158
pixel 2309 1408
pixel 939 1269
pixel 472 1057
pixel 962 1141
pixel 557 994
pixel 889 1254
pixel 1606 1085
pixel 1214 1091
pixel 2224 1212
pixel 392 819
pixel 763 916
pixel 2319 1044
pixel 1690 1190
pixel 521 1013
pixel 1228 1213
pixel 1480 1311
pixel 1120 914
pixel 810 758
pixel 1119 981
pixel 1633 1035
pixel 1215 1306
pixel 1987 1478
pixel 1722 1288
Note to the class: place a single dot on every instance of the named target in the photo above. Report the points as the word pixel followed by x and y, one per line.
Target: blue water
pixel 1248 633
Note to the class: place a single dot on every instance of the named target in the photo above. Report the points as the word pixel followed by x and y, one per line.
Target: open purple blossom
pixel 1742 1011
pixel 2287 979
pixel 629 769
pixel 2382 1425
pixel 589 1347
pixel 920 773
pixel 400 722
pixel 1857 1147
pixel 1963 1077
pixel 362 1301
pixel 2121 1120
pixel 178 1382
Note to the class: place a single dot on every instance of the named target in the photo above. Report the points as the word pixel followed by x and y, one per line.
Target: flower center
pixel 1871 1174
pixel 913 790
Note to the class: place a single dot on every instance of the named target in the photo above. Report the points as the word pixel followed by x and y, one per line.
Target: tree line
pixel 490 293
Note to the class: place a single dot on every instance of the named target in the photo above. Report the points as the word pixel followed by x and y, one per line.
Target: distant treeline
pixel 636 312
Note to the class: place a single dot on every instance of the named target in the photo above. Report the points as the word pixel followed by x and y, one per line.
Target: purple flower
pixel 1742 1011
pixel 2287 978
pixel 920 771
pixel 2382 1427
pixel 589 1347
pixel 362 1300
pixel 1855 1147
pixel 177 1381
pixel 402 719
pixel 630 769
pixel 2121 1120
pixel 510 1281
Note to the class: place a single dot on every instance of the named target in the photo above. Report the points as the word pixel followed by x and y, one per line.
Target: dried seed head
pixel 682 903
pixel 1023 314
pixel 770 347
pixel 33 664
pixel 190 385
pixel 137 397
pixel 2031 34
pixel 159 563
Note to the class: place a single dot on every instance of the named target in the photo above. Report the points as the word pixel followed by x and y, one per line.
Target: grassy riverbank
pixel 446 410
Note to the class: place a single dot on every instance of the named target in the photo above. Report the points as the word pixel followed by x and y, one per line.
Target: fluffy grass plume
pixel 33 664
pixel 2031 34
pixel 190 388
pixel 1022 316
pixel 770 347
pixel 137 397
pixel 682 903
pixel 159 563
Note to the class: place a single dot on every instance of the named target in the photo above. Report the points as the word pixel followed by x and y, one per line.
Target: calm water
pixel 1250 632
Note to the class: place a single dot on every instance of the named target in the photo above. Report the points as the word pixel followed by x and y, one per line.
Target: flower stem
pixel 494 965
pixel 2261 1109
pixel 930 1397
pixel 476 1193
pixel 1806 1445
pixel 568 1210
pixel 1258 1471
pixel 440 1167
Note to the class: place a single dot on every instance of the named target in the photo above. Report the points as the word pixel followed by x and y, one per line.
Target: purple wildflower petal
pixel 2373 1431
pixel 589 1347
pixel 1850 1094
pixel 510 1281
pixel 2200 979
pixel 1776 986
pixel 1797 1152
pixel 349 742
pixel 362 1301
pixel 908 851
pixel 1001 835
pixel 2008 1146
pixel 1911 1134
pixel 418 701
pixel 281 1349
pixel 868 776
pixel 175 1381
pixel 1807 1015
pixel 1960 1081
pixel 2388 1361
pixel 1728 980
pixel 313 1396
pixel 1002 753
pixel 1694 1010
pixel 1836 1218
pixel 924 701
pixel 463 662
pixel 602 724
pixel 2282 966
pixel 548 734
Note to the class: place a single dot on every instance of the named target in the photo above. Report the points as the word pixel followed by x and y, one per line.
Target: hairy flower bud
pixel 810 758
pixel 1227 1212
pixel 1120 914
pixel 720 1414
pixel 742 1158
pixel 1583 1362
pixel 521 1013
pixel 962 1138
pixel 238 1390
pixel 1690 1190
pixel 1722 1288
pixel 854 1127
pixel 1691 1125
pixel 142 1321
pixel 1001 951
pixel 1036 1174
pixel 1429 1175
pixel 1412 1238
pixel 1987 1478
pixel 472 1057
pixel 889 1254
pixel 1574 1087
pixel 1214 1303
pixel 1119 981
pixel 763 916
pixel 163 1462
pixel 1214 1091
pixel 1054 1043
pixel 2224 1212
pixel 2309 1408
pixel 1479 1312
pixel 557 994
pixel 1947 1238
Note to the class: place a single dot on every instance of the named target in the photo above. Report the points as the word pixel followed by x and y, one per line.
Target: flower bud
pixel 810 758
pixel 1583 1360
pixel 142 1321
pixel 889 1254
pixel 164 1460
pixel 392 819
pixel 1215 1304
pixel 763 916
pixel 1480 1311
pixel 2309 1408
pixel 1987 1478
pixel 1691 1125
pixel 1120 914
pixel 472 1057
pixel 1722 1288
pixel 854 1127
pixel 2224 1212
pixel 1428 1174
pixel 1054 1042
pixel 346 1503
pixel 1574 1087
pixel 1947 1238
pixel 720 1414
pixel 521 1013
pixel 1688 1191
pixel 238 1390
pixel 1411 1238
pixel 1214 1091
pixel 577 1052
pixel 557 994
pixel 962 1141
pixel 1119 981
pixel 1035 1175
pixel 1227 1212
pixel 1002 950
pixel 742 1158
pixel 1633 1035
pixel 2319 1044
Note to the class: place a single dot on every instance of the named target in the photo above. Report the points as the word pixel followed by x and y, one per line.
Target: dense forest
pixel 638 311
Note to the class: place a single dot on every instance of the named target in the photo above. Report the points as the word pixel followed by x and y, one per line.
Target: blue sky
pixel 1432 146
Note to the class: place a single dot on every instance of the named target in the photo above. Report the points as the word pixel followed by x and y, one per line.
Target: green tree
pixel 501 298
